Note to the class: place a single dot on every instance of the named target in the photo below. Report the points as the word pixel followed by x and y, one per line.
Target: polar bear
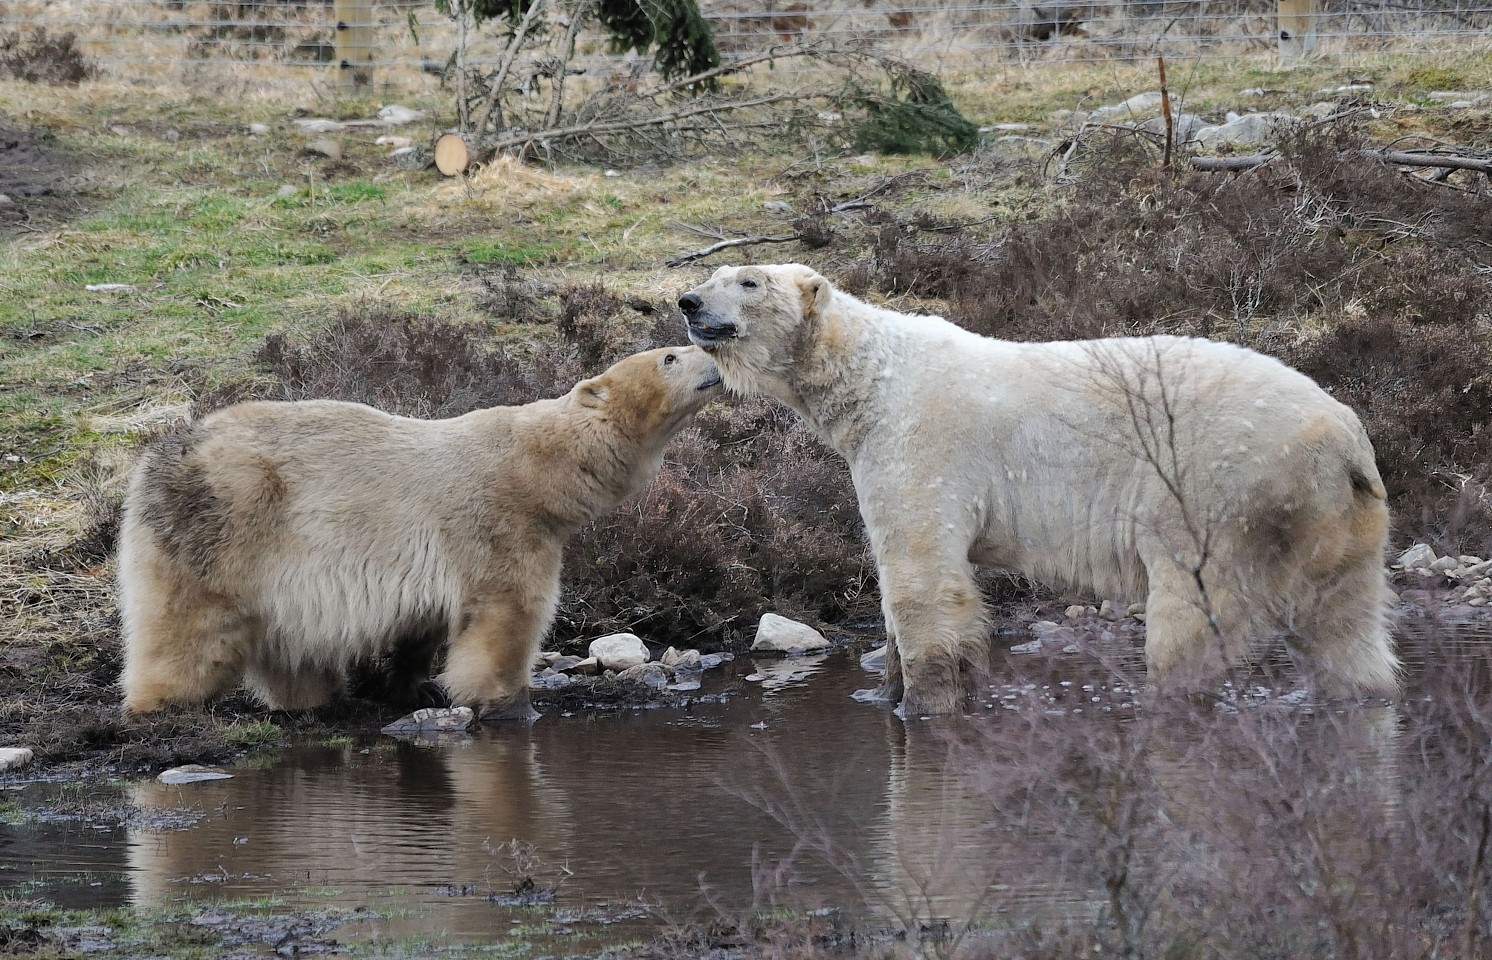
pixel 281 542
pixel 1227 490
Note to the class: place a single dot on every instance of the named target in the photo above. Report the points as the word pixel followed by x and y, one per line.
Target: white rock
pixel 287 190
pixel 397 142
pixel 318 125
pixel 1320 110
pixel 1111 610
pixel 1075 611
pixel 192 773
pixel 875 660
pixel 651 675
pixel 1136 610
pixel 432 721
pixel 401 152
pixel 1251 130
pixel 109 287
pixel 1477 602
pixel 394 114
pixel 1033 646
pixel 682 661
pixel 1139 103
pixel 1469 561
pixel 1184 126
pixel 14 758
pixel 1044 627
pixel 1417 557
pixel 588 667
pixel 619 651
pixel 1347 88
pixel 259 129
pixel 5 200
pixel 776 634
pixel 777 206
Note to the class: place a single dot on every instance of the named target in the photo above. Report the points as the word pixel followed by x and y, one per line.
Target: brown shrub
pixel 1367 280
pixel 40 57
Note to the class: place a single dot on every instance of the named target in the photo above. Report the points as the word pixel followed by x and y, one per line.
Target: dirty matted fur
pixel 1226 490
pixel 278 542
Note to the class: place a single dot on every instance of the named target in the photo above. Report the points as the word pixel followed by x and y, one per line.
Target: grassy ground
pixel 224 237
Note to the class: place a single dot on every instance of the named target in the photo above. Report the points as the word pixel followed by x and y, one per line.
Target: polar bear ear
pixel 593 392
pixel 816 293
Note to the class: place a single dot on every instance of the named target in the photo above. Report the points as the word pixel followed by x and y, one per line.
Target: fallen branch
pixel 1442 160
pixel 694 255
pixel 637 123
pixel 1430 160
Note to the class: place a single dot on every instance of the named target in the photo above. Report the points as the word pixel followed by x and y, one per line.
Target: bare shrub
pixel 41 57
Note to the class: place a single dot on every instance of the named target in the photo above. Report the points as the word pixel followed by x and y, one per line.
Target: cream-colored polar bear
pixel 1227 490
pixel 280 542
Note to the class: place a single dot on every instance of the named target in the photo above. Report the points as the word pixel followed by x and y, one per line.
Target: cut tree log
pixel 453 155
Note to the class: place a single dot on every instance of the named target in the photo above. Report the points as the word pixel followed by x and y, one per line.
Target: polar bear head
pixel 650 395
pixel 756 321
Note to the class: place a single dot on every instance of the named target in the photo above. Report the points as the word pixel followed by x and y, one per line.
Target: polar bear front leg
pixel 937 628
pixel 492 654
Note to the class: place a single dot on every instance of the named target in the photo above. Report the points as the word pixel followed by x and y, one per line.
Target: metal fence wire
pixel 411 39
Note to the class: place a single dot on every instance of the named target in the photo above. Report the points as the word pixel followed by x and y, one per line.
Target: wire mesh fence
pixel 410 42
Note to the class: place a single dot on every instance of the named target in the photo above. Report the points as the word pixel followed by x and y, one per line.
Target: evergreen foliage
pixel 918 117
pixel 681 40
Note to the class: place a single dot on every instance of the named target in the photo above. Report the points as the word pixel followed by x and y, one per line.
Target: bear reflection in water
pixel 1020 815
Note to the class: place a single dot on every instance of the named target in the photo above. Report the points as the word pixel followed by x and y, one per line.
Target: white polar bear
pixel 1226 489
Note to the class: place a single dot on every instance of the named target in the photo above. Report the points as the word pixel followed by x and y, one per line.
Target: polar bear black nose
pixel 690 304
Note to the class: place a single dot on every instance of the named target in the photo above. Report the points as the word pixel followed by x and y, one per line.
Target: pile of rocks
pixel 624 656
pixel 1469 577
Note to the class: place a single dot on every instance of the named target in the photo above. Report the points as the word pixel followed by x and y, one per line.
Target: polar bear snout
pixel 705 329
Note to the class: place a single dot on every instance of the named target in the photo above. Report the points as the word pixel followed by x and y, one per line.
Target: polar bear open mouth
pixel 705 333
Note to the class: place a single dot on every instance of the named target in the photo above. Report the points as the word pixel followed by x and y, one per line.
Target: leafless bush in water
pixel 1057 827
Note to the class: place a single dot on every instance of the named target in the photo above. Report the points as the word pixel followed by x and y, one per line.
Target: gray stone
pixel 875 660
pixel 1075 611
pixel 588 667
pixel 1250 130
pixel 432 721
pixel 1139 103
pixel 191 773
pixel 258 129
pixel 1444 565
pixel 14 758
pixel 1136 610
pixel 1111 610
pixel 651 675
pixel 778 206
pixel 1184 126
pixel 546 658
pixel 1033 646
pixel 287 190
pixel 682 661
pixel 395 115
pixel 775 634
pixel 566 664
pixel 1044 627
pixel 712 660
pixel 1417 557
pixel 619 651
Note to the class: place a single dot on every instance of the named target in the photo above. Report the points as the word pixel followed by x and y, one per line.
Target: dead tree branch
pixel 700 254
pixel 1444 161
pixel 500 78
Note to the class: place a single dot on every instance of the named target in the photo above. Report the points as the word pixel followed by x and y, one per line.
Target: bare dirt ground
pixel 34 173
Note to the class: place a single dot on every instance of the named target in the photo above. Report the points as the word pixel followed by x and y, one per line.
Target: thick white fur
pixel 279 542
pixel 1227 490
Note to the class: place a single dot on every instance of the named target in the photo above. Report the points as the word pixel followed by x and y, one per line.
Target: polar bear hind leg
pixel 183 644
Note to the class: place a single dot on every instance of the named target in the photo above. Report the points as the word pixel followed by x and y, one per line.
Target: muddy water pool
pixel 786 791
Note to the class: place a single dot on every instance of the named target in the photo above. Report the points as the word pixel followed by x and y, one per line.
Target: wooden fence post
pixel 1297 20
pixel 355 44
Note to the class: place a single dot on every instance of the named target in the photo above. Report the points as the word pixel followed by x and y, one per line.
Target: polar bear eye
pixel 669 358
pixel 749 284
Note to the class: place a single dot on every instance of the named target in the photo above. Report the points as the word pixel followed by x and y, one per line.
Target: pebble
pixel 777 634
